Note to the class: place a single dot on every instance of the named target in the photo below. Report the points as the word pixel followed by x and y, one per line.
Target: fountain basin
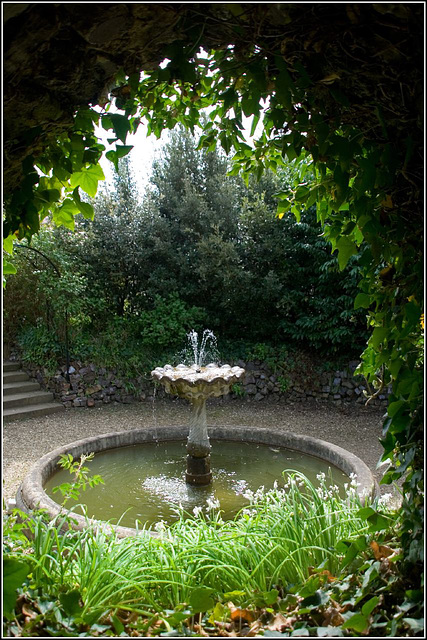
pixel 194 382
pixel 31 494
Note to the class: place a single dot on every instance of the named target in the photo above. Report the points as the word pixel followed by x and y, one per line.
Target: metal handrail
pixel 58 273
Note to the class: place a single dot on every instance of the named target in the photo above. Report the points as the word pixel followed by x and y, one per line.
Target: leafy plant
pixel 297 557
pixel 81 477
pixel 39 346
pixel 283 383
pixel 15 573
pixel 238 390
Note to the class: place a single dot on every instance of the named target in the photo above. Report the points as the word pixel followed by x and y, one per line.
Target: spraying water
pixel 200 353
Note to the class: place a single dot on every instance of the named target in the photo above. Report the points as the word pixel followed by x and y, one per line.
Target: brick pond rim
pixel 31 494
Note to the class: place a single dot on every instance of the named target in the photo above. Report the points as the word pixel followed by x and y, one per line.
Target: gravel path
pixel 24 441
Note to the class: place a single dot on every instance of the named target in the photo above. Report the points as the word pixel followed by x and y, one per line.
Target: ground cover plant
pixel 291 563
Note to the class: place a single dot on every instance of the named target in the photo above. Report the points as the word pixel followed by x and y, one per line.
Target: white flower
pixel 212 504
pixel 275 485
pixel 197 511
pixel 321 477
pixel 385 500
pixel 249 495
pixel 259 494
pixel 353 479
pixel 160 526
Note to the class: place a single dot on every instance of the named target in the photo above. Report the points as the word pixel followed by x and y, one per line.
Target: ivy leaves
pixel 87 179
pixel 8 267
pixel 53 179
pixel 120 152
pixel 15 573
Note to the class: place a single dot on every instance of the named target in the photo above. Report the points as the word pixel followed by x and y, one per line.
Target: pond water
pixel 145 481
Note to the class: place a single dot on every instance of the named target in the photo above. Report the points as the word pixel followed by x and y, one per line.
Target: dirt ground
pixel 24 441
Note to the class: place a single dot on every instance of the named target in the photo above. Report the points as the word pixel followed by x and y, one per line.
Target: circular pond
pixel 144 472
pixel 148 480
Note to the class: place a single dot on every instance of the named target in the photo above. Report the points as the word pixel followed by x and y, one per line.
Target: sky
pixel 141 156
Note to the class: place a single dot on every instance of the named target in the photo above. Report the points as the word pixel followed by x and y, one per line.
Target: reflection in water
pixel 148 481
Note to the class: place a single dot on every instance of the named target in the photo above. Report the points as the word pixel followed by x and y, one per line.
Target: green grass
pixel 273 543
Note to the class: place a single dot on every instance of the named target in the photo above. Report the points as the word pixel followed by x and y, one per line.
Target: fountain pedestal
pixel 196 384
pixel 198 445
pixel 198 471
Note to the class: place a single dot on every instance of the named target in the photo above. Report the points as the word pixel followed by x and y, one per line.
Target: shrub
pixel 40 347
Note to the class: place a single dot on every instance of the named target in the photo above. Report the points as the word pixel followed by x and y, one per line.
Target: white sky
pixel 141 156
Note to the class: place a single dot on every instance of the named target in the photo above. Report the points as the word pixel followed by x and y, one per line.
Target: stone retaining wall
pixel 339 387
pixel 92 386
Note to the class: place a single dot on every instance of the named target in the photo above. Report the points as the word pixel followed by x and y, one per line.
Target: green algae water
pixel 144 482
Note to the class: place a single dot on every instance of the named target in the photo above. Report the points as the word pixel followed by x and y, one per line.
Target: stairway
pixel 23 398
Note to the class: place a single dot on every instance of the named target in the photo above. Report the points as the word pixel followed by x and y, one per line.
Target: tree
pixel 111 247
pixel 191 201
pixel 310 300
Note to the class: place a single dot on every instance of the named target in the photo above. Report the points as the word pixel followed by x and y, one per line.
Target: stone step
pixel 20 387
pixel 31 411
pixel 27 398
pixel 15 376
pixel 11 366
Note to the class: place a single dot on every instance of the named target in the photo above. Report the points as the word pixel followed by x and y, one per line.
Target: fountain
pixel 143 468
pixel 197 383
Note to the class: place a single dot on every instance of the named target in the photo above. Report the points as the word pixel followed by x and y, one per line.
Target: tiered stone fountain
pixel 197 384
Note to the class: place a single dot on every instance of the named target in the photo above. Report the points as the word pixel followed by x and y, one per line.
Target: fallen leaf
pixel 388 202
pixel 330 79
pixel 325 572
pixel 127 616
pixel 227 634
pixel 237 614
pixel 281 622
pixel 253 631
pixel 380 550
pixel 29 613
pixel 200 631
pixel 332 617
